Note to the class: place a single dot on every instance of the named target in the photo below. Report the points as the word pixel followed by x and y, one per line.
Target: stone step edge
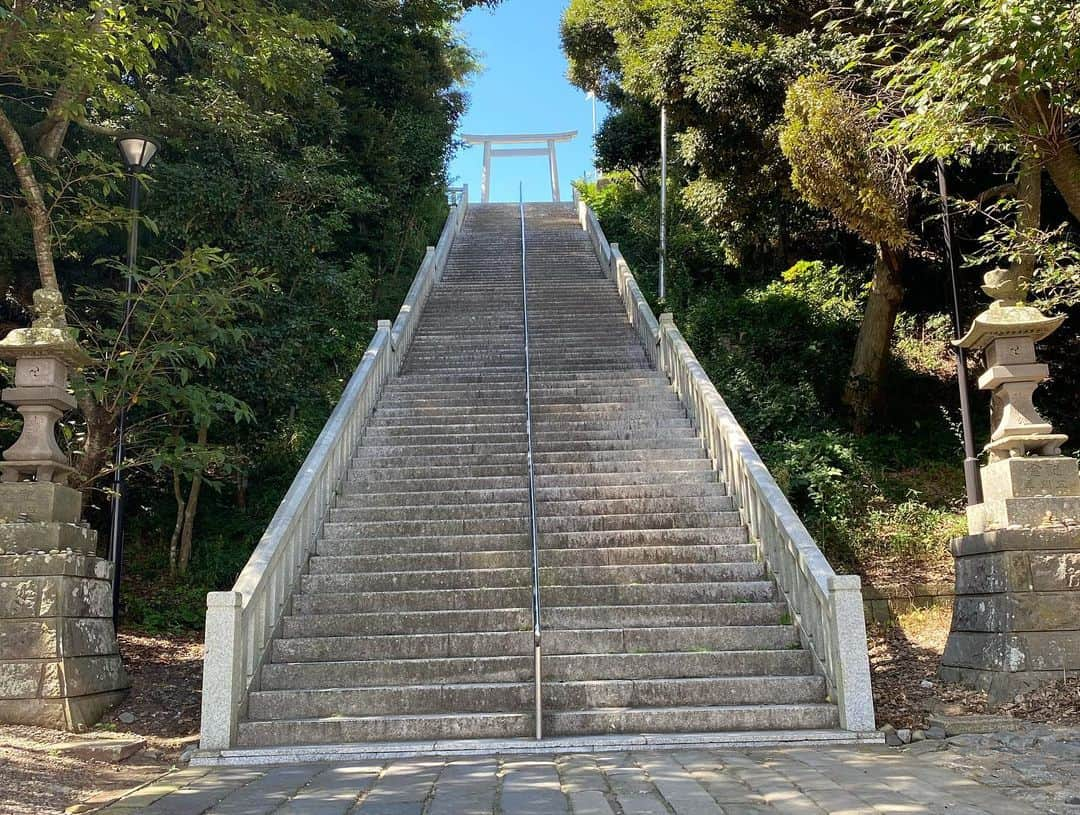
pixel 265 756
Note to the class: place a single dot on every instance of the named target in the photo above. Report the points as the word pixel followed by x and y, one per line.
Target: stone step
pixel 352 510
pixel 624 479
pixel 692 719
pixel 432 600
pixel 375 459
pixel 644 537
pixel 374 582
pixel 346 730
pixel 439 498
pixel 369 475
pixel 595 467
pixel 370 485
pixel 616 492
pixel 674 615
pixel 556 641
pixel 518 668
pixel 419 561
pixel 641 455
pixel 520 558
pixel 638 520
pixel 335 615
pixel 338 539
pixel 663 593
pixel 481 526
pixel 451 446
pixel 641 504
pixel 394 700
pixel 378 672
pixel 495 697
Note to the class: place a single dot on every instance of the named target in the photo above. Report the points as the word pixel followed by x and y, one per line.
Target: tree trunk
pixel 187 535
pixel 1042 126
pixel 863 391
pixel 40 226
pixel 178 526
pixel 1028 217
pixel 1064 170
pixel 100 438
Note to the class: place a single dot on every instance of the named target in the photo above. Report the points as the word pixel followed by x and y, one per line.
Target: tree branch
pixel 985 197
pixel 40 226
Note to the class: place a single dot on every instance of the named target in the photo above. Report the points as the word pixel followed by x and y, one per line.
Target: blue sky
pixel 522 89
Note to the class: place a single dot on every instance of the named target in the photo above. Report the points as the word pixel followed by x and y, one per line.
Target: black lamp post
pixel 972 479
pixel 136 152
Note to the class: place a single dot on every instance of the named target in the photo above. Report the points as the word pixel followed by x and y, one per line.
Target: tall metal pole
pixel 116 525
pixel 595 171
pixel 972 479
pixel 661 289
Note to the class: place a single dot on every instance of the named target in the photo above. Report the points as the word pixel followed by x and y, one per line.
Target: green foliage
pixel 961 70
pixel 306 140
pixel 1055 254
pixel 157 363
pixel 828 138
pixel 773 349
pixel 721 67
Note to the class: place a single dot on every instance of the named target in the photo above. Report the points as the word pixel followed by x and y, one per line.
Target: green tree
pixel 155 365
pixel 82 63
pixel 828 136
pixel 721 67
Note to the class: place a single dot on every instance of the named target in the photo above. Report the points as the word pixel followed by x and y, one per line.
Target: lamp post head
pixel 137 151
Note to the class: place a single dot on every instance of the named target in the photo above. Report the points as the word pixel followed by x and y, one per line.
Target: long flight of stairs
pixel 414 622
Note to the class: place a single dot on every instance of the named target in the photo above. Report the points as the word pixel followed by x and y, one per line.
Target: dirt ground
pixel 166 675
pixel 904 659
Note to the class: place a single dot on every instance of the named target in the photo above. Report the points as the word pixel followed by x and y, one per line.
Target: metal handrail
pixel 532 475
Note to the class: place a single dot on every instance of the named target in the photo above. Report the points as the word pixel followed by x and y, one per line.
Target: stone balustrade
pixel 240 623
pixel 827 607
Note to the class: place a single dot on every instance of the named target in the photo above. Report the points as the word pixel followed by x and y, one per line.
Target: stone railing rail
pixel 241 623
pixel 827 607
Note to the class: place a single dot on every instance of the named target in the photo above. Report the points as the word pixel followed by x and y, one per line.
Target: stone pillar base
pixel 1016 617
pixel 59 662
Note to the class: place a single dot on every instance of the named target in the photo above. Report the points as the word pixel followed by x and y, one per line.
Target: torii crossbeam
pixel 549 139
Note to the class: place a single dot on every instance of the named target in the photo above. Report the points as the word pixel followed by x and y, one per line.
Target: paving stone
pixel 201 793
pixel 590 802
pixel 390 808
pixel 532 787
pixel 268 792
pixel 989 780
pixel 466 787
pixel 332 792
pixel 679 789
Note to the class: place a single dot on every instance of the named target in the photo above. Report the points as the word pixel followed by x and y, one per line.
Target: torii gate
pixel 551 139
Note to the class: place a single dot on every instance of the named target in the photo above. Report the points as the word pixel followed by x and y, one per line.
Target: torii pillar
pixel 549 140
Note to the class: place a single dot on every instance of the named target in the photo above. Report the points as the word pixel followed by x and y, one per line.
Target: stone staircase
pixel 413 621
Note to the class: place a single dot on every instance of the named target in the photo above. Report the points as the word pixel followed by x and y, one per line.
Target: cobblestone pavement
pixel 1038 765
pixel 808 781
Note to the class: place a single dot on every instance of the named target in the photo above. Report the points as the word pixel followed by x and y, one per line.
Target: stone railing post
pixel 222 670
pixel 855 699
pixel 59 662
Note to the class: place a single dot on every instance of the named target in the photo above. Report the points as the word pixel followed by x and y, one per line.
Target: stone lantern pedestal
pixel 59 662
pixel 1016 617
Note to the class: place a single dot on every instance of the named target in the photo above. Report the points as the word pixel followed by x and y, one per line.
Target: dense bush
pixel 775 350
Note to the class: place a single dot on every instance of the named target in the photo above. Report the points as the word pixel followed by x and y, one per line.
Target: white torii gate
pixel 550 139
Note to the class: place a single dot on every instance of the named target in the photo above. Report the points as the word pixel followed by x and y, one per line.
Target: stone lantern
pixel 59 663
pixel 1016 617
